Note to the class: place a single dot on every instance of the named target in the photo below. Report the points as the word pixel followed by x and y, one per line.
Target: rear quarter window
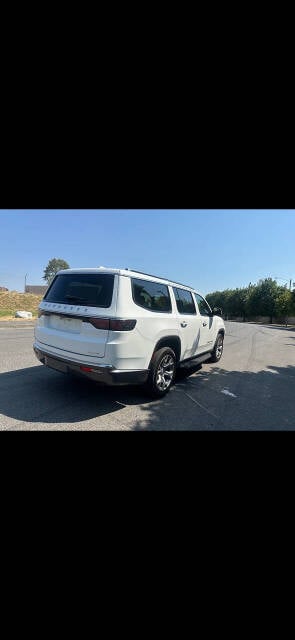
pixel 151 295
pixel 91 290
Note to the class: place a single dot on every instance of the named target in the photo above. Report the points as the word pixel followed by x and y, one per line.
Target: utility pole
pixel 286 281
pixel 26 281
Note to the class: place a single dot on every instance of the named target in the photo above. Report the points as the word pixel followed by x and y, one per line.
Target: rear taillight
pixel 100 323
pixel 122 325
pixel 112 325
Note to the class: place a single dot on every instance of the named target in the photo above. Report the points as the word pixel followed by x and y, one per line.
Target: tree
pixel 233 302
pixel 262 299
pixel 226 300
pixel 284 303
pixel 239 302
pixel 215 299
pixel 53 267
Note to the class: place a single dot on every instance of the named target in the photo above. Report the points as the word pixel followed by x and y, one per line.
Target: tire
pixel 218 349
pixel 162 372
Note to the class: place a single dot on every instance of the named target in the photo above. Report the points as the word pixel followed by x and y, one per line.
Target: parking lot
pixel 252 387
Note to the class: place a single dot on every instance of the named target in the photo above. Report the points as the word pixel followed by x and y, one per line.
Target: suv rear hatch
pixel 74 312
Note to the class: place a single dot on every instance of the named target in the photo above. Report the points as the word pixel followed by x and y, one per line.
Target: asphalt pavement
pixel 251 388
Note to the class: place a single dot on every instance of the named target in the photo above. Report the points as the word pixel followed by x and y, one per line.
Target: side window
pixel 151 295
pixel 184 301
pixel 203 305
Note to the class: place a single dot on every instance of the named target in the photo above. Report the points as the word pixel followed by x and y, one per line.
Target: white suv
pixel 119 327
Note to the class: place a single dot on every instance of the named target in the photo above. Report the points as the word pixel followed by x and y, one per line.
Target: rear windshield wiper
pixel 75 298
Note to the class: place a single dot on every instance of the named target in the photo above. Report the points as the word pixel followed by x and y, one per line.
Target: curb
pixel 290 327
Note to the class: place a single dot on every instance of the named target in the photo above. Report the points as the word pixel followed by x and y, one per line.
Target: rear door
pixel 189 322
pixel 76 311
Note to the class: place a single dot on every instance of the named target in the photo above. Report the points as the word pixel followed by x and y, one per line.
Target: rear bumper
pixel 104 373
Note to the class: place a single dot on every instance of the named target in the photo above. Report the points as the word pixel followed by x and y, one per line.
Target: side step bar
pixel 196 360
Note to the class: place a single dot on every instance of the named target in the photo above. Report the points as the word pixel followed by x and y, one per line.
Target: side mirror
pixel 217 311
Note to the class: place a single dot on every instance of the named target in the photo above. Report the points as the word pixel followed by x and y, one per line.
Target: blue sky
pixel 210 250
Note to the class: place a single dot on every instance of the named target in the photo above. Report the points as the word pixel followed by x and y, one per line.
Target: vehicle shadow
pixel 186 371
pixel 203 397
pixel 217 399
pixel 39 395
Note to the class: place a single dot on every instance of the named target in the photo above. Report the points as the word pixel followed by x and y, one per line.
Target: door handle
pixel 183 324
pixel 205 324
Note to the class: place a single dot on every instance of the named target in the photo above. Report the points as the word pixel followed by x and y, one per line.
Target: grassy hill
pixel 11 301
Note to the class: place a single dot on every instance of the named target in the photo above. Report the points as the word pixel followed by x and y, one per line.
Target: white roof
pixel 128 273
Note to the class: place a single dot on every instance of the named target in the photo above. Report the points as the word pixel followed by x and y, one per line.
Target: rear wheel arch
pixel 162 372
pixel 172 342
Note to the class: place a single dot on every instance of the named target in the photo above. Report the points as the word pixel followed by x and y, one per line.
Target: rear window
pixel 151 295
pixel 91 290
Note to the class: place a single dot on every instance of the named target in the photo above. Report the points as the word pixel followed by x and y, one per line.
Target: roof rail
pixel 151 275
